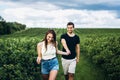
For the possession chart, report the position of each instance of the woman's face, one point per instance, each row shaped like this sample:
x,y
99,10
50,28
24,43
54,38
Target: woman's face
x,y
49,37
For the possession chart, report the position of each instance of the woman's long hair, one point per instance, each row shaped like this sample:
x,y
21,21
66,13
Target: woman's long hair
x,y
54,38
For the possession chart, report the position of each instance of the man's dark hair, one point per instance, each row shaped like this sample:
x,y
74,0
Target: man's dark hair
x,y
70,23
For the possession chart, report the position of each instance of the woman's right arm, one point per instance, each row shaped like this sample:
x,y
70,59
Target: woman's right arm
x,y
60,52
39,53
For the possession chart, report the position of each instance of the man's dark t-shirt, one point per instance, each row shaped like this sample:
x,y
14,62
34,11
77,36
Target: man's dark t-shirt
x,y
71,43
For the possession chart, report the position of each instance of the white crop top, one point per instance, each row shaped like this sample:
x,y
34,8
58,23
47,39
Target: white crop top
x,y
49,53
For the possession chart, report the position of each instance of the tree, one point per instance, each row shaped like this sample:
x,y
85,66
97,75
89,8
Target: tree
x,y
1,18
10,27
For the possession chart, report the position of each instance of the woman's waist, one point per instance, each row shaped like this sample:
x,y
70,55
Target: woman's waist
x,y
48,57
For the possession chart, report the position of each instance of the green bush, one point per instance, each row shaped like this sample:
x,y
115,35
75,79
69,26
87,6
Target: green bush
x,y
18,59
105,52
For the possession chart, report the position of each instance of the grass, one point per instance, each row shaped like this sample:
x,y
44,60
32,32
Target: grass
x,y
85,70
88,71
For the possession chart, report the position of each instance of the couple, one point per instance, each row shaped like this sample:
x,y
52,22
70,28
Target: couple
x,y
47,50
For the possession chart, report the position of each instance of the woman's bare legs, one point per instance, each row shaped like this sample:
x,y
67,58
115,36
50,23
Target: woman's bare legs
x,y
53,74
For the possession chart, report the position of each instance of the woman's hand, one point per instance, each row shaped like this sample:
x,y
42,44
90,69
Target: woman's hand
x,y
38,60
63,53
67,53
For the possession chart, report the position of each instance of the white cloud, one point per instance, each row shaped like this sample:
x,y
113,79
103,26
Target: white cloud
x,y
107,2
38,15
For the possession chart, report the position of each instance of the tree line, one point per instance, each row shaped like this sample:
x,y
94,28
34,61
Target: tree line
x,y
10,27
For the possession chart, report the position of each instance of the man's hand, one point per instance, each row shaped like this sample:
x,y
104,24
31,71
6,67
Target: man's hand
x,y
77,60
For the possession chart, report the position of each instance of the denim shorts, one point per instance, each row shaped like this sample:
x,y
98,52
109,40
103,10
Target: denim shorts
x,y
48,65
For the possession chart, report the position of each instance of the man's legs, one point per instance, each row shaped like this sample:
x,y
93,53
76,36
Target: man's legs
x,y
71,76
65,66
66,77
71,70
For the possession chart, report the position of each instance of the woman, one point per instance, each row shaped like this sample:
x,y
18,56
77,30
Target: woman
x,y
47,50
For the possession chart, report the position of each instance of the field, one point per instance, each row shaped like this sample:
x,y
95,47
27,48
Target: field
x,y
99,59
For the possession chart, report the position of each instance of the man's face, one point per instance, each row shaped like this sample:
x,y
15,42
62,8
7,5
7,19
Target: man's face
x,y
70,28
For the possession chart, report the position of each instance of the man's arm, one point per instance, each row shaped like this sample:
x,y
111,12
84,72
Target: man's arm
x,y
78,52
65,45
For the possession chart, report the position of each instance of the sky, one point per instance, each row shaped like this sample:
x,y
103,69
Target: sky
x,y
57,13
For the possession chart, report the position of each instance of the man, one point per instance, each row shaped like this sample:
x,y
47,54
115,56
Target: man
x,y
71,44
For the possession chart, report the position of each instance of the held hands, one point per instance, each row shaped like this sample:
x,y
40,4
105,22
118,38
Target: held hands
x,y
67,52
38,60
